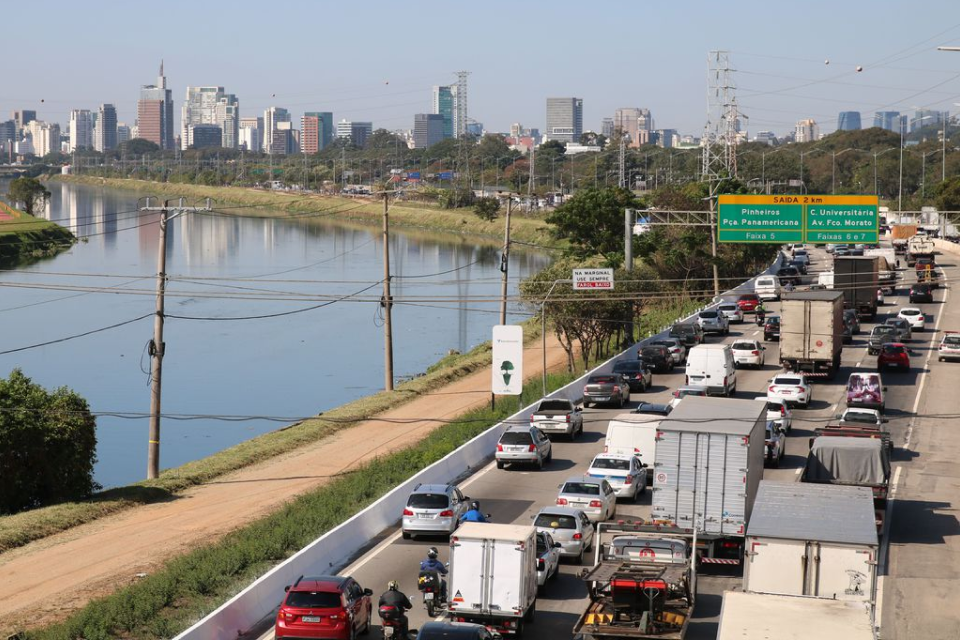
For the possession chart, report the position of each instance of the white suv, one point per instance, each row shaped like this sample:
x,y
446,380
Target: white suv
x,y
792,388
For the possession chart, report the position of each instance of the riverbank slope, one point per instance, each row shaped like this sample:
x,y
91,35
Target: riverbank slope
x,y
25,239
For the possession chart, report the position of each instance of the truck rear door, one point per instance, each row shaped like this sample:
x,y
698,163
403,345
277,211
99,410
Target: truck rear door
x,y
844,573
506,577
470,575
775,566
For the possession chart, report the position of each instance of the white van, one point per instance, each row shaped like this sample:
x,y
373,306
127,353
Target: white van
x,y
767,287
825,279
634,433
713,366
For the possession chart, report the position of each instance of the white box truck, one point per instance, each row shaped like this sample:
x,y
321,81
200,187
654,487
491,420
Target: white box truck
x,y
812,540
708,465
493,575
811,331
636,434
761,616
713,366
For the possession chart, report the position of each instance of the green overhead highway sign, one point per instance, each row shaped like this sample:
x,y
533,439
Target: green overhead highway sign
x,y
811,218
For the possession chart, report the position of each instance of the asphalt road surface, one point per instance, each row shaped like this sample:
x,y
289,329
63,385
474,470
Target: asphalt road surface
x,y
516,495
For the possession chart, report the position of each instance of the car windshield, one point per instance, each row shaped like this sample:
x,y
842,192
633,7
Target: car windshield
x,y
883,328
313,600
708,314
555,521
611,463
516,437
428,501
744,346
859,416
585,488
601,380
787,380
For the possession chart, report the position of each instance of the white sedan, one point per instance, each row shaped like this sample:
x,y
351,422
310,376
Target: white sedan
x,y
731,311
778,412
858,416
792,388
914,316
548,558
625,473
748,352
593,496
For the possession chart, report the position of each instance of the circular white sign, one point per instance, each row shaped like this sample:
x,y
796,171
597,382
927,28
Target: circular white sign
x,y
661,477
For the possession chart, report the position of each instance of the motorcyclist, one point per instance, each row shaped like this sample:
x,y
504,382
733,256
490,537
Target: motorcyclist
x,y
788,287
433,564
761,312
396,598
474,514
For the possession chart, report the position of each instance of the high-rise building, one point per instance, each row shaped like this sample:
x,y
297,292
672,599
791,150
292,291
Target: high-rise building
x,y
359,132
607,127
928,118
8,134
766,137
848,121
22,118
80,129
807,131
105,133
123,133
889,120
155,113
227,117
475,129
44,137
427,130
252,140
205,136
316,130
344,129
199,107
625,120
443,104
667,138
271,118
564,119
516,130
645,121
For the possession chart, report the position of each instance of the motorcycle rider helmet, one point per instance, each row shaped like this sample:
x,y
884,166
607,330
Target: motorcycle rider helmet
x,y
393,585
475,505
432,553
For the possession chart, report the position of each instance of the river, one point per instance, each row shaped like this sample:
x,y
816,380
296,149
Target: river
x,y
224,267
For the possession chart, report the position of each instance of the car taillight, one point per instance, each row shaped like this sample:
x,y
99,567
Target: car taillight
x,y
567,418
606,449
562,502
596,504
628,480
499,447
772,389
289,617
407,512
724,380
531,419
446,513
754,353
532,448
578,536
541,565
730,545
799,389
676,394
783,410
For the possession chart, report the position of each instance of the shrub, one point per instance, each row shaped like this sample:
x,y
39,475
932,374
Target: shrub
x,y
487,208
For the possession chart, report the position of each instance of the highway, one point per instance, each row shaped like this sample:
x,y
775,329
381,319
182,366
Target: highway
x,y
516,495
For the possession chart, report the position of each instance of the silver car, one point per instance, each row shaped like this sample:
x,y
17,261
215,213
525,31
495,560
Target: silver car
x,y
594,496
570,527
433,509
713,322
902,328
731,311
625,473
524,444
676,348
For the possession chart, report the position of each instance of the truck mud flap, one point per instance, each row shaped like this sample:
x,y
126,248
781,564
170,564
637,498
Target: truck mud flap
x,y
727,561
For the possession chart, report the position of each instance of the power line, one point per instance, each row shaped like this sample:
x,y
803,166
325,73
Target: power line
x,y
75,336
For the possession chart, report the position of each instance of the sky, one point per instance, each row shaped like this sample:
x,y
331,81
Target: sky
x,y
378,60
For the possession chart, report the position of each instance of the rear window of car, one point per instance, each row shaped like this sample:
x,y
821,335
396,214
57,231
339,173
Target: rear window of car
x,y
516,437
883,328
627,367
708,314
952,341
749,297
611,463
772,320
744,346
893,349
786,380
681,329
728,307
652,352
428,501
584,488
910,312
859,416
921,288
775,406
555,521
313,599
554,405
601,380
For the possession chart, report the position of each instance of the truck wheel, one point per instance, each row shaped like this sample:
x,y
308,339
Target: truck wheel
x,y
519,631
499,464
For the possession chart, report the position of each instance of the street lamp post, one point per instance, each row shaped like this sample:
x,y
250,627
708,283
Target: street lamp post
x,y
763,166
543,331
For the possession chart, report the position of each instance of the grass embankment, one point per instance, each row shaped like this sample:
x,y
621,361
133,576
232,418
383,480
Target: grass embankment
x,y
24,238
168,601
259,202
655,319
23,528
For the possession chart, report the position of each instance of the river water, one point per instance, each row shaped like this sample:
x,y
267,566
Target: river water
x,y
228,267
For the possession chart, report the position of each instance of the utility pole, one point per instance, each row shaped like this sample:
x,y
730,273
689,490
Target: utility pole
x,y
387,301
505,263
628,262
157,346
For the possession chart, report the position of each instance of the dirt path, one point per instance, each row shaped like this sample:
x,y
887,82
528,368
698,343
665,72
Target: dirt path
x,y
47,580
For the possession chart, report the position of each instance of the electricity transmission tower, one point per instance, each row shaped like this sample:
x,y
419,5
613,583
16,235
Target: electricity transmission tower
x,y
720,135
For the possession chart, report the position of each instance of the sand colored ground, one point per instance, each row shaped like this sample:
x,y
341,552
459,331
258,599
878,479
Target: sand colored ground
x,y
47,580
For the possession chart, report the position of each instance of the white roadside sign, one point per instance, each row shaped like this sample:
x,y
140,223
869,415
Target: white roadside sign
x,y
587,279
507,360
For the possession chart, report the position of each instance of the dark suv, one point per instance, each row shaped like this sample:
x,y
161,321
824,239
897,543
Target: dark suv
x,y
771,328
637,373
789,274
921,292
324,607
690,334
658,357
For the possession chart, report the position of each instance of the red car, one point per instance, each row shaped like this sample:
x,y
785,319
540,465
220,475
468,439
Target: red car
x,y
748,302
328,607
893,354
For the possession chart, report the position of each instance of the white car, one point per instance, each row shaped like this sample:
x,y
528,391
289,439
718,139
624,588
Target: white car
x,y
593,496
625,473
778,412
792,388
687,390
949,348
775,445
548,557
748,352
856,416
732,312
914,316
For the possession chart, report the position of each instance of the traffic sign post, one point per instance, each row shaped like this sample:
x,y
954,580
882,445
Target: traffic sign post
x,y
814,219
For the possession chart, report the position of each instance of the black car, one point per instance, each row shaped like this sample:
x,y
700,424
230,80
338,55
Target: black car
x,y
799,265
653,408
771,328
454,631
637,373
688,333
921,292
658,358
788,274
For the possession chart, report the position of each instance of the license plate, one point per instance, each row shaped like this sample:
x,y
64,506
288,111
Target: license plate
x,y
387,632
311,618
428,596
547,425
423,516
601,398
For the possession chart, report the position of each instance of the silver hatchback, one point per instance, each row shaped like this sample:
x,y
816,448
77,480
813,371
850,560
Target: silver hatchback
x,y
433,509
569,527
524,444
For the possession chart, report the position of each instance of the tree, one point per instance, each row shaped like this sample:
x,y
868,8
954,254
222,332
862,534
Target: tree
x,y
592,221
948,195
487,208
139,146
28,191
48,445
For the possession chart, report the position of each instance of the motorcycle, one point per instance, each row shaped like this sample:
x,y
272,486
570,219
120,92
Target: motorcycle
x,y
760,317
430,585
393,622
